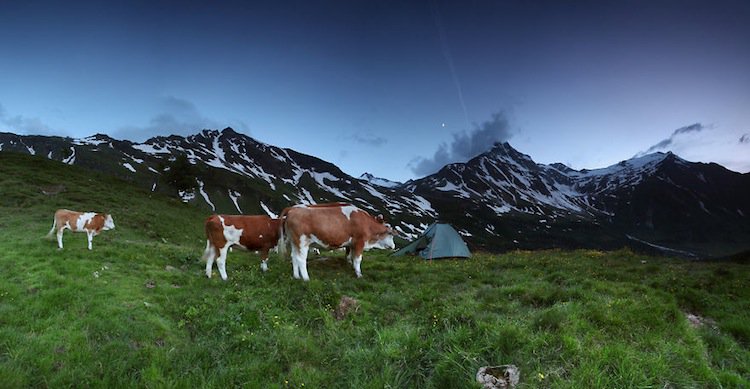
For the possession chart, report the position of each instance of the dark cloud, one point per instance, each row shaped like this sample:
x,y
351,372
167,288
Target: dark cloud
x,y
25,125
745,138
465,145
664,144
177,117
369,139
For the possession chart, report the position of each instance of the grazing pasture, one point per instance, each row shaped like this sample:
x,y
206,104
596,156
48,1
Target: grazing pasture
x,y
139,311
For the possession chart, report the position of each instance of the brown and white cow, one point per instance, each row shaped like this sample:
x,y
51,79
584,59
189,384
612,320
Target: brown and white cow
x,y
248,232
331,226
91,223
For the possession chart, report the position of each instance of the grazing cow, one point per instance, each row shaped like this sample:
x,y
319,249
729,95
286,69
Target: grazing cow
x,y
331,226
248,232
90,222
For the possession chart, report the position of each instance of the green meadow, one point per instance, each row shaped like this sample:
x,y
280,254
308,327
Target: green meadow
x,y
138,311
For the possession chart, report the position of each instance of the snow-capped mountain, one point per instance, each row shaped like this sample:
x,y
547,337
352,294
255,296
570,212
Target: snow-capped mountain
x,y
507,200
498,200
384,182
234,173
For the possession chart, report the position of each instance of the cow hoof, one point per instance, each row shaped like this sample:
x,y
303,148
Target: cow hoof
x,y
359,275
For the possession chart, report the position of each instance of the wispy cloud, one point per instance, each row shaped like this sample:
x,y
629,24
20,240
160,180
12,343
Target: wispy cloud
x,y
25,125
177,117
369,139
665,144
465,145
698,142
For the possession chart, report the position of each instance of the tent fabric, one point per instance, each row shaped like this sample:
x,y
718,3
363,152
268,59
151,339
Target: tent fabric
x,y
438,241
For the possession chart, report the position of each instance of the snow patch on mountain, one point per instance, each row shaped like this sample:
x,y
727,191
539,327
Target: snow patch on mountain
x,y
234,195
268,210
71,158
386,183
129,167
205,195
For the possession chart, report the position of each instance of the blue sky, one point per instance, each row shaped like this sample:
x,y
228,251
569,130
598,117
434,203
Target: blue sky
x,y
390,87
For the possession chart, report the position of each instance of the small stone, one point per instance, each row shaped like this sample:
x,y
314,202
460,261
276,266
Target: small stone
x,y
496,377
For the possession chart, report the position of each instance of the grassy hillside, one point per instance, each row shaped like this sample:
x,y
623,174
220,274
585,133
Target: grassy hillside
x,y
138,311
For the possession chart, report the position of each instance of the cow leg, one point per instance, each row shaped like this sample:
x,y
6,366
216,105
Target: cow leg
x,y
302,263
299,261
221,262
89,236
295,263
59,238
264,260
209,255
348,254
356,255
357,269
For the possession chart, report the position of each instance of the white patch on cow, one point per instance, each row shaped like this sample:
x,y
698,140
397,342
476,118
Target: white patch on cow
x,y
83,219
231,233
348,210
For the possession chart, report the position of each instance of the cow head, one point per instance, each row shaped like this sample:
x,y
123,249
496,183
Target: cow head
x,y
109,223
383,239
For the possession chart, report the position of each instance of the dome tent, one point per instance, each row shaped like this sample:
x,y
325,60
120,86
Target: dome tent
x,y
440,240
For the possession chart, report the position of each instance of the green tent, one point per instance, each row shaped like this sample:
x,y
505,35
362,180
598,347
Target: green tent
x,y
440,240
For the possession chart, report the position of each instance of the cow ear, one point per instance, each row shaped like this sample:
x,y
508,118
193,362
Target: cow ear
x,y
380,218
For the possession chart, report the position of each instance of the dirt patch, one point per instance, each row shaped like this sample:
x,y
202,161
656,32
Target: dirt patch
x,y
346,306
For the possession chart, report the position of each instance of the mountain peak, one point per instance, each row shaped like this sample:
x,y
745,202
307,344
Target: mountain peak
x,y
378,181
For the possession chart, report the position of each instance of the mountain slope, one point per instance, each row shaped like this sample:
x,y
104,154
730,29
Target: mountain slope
x,y
499,200
659,199
234,173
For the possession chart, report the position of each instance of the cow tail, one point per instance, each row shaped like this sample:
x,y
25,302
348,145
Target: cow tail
x,y
281,245
54,226
207,251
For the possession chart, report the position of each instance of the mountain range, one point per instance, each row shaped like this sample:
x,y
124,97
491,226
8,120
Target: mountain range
x,y
500,200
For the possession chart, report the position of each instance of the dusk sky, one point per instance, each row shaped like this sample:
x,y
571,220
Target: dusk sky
x,y
395,88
